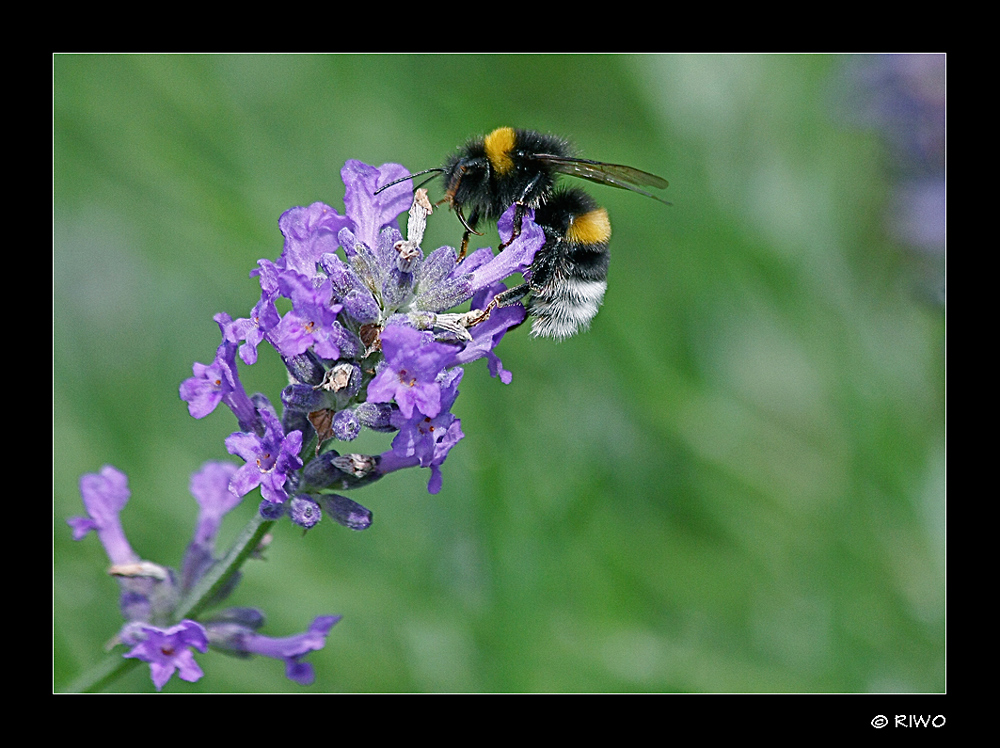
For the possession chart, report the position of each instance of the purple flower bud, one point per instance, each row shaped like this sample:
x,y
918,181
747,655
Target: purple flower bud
x,y
346,341
247,618
271,511
305,367
376,416
303,398
346,425
437,266
446,294
346,512
303,511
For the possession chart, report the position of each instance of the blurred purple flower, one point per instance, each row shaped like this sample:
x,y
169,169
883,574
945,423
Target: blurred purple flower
x,y
168,650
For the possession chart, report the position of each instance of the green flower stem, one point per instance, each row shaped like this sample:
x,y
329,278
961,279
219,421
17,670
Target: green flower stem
x,y
206,588
108,670
113,666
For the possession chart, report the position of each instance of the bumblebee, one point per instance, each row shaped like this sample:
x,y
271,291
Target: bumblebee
x,y
568,277
519,167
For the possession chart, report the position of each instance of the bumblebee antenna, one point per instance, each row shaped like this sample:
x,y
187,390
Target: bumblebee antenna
x,y
410,176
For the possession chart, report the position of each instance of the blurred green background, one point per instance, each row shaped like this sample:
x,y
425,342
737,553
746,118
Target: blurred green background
x,y
733,482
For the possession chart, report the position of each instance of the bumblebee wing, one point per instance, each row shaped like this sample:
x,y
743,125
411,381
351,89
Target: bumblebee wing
x,y
616,175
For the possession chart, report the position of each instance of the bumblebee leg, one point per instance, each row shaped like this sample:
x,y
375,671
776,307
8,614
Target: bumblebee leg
x,y
507,298
470,228
519,209
511,295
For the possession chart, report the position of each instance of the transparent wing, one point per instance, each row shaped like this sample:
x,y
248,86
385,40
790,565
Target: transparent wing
x,y
615,175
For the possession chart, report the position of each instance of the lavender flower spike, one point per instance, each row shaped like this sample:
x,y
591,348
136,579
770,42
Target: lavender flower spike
x,y
372,339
